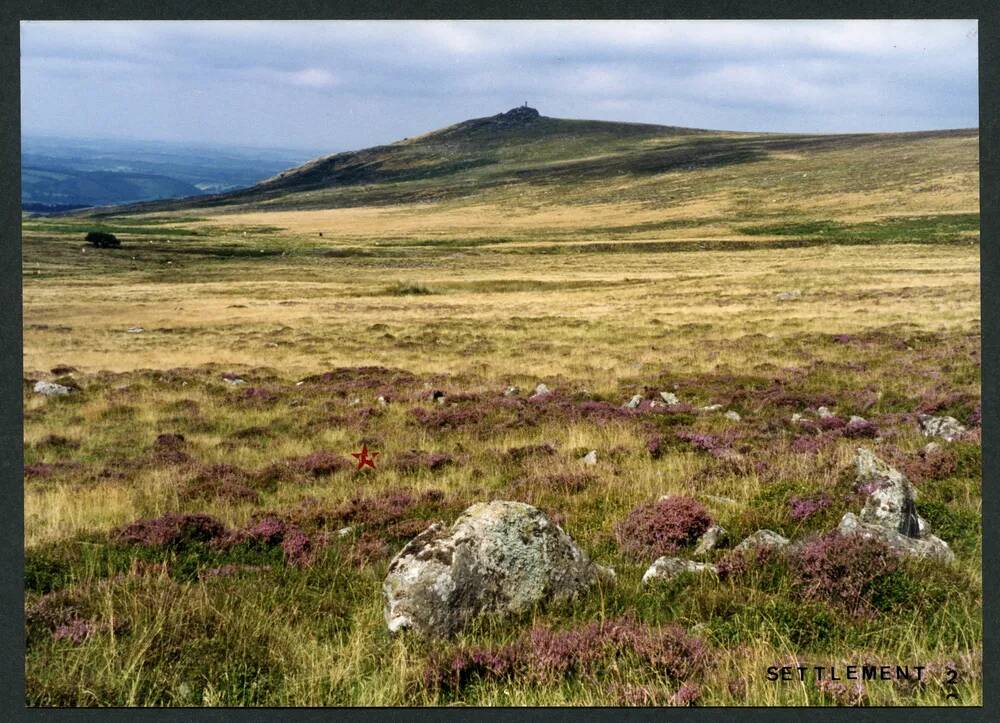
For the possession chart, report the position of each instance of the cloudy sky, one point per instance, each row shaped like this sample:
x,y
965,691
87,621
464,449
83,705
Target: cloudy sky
x,y
337,85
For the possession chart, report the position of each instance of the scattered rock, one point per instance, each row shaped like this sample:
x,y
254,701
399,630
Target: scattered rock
x,y
134,330
763,538
497,558
931,448
732,416
855,419
513,391
590,458
713,536
355,402
233,381
634,402
823,413
51,389
711,408
667,568
789,295
540,391
345,531
930,546
948,428
891,502
796,418
382,401
669,398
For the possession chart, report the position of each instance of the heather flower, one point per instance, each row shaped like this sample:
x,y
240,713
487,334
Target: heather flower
x,y
842,570
803,507
738,688
858,427
714,445
664,526
296,547
686,695
76,631
840,694
655,444
171,530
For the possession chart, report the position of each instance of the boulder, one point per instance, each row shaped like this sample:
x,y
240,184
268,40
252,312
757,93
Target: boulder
x,y
667,568
540,391
925,546
51,389
498,558
892,500
713,536
947,428
669,398
763,538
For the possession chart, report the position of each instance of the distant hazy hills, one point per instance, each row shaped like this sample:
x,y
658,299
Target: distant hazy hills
x,y
65,173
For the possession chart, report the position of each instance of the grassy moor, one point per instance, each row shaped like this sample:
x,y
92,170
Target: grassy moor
x,y
721,321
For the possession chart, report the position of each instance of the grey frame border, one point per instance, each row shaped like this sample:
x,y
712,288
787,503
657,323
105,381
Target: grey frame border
x,y
11,431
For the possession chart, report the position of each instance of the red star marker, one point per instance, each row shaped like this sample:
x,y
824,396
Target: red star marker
x,y
363,459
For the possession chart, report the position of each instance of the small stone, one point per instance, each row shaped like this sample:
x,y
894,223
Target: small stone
x,y
512,391
855,419
51,389
540,391
789,295
634,402
796,418
732,416
711,408
667,568
669,398
345,531
235,381
763,538
590,458
931,448
947,428
134,330
382,401
823,413
713,536
355,402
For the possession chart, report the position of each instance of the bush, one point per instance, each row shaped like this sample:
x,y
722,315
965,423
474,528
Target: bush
x,y
663,527
103,240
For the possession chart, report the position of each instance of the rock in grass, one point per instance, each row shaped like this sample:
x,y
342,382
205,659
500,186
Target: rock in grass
x,y
498,558
51,389
669,398
789,295
713,536
732,416
512,391
947,428
891,502
590,458
711,408
927,546
634,402
540,391
135,330
235,381
823,413
763,538
667,568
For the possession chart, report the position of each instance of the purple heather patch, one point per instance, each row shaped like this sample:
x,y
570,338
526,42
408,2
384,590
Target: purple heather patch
x,y
662,527
804,507
171,530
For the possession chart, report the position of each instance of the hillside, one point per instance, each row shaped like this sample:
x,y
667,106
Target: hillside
x,y
515,164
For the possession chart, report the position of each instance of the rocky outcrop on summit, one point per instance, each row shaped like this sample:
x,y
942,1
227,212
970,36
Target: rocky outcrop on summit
x,y
498,558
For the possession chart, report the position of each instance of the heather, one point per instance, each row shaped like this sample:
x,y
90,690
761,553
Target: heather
x,y
191,541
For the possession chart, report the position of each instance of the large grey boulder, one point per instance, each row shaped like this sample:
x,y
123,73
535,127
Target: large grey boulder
x,y
667,568
947,428
497,558
928,546
892,500
890,512
51,389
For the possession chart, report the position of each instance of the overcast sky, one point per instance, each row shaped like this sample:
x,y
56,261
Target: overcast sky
x,y
338,85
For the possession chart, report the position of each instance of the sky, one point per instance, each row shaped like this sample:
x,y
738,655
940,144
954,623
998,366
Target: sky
x,y
341,85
